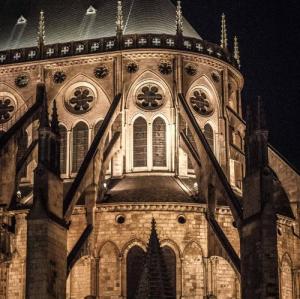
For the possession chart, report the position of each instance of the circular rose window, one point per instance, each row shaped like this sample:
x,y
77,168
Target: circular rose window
x,y
150,97
7,108
81,100
201,102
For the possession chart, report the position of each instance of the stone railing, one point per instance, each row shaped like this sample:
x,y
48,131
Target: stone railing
x,y
108,44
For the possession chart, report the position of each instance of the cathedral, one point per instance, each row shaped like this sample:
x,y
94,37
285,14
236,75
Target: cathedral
x,y
127,169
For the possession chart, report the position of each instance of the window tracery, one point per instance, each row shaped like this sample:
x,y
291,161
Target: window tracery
x,y
7,107
150,97
201,102
81,100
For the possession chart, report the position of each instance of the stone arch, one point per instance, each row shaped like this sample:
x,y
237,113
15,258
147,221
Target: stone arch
x,y
80,279
222,281
130,244
148,76
113,245
170,243
134,266
172,268
109,271
193,280
286,277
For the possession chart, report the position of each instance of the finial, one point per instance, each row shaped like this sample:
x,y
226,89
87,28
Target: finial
x,y
41,30
119,22
224,40
179,19
237,51
54,119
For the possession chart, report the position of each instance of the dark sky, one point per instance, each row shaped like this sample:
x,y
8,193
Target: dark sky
x,y
269,32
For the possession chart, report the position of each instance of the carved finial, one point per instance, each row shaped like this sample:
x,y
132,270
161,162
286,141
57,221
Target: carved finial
x,y
224,40
179,19
54,119
237,51
41,30
119,22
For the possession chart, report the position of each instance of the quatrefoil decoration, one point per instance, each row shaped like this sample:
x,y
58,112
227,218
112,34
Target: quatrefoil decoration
x,y
132,67
165,68
6,109
101,72
150,98
82,100
200,103
22,81
59,77
191,70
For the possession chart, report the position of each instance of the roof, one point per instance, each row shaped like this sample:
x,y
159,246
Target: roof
x,y
67,20
147,189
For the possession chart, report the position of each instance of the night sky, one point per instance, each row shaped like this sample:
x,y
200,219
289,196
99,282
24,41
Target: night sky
x,y
269,33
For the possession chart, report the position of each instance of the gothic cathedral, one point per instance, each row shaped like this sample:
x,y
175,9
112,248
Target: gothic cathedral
x,y
126,167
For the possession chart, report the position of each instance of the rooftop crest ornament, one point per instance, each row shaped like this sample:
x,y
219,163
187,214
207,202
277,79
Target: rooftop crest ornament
x,y
120,21
224,39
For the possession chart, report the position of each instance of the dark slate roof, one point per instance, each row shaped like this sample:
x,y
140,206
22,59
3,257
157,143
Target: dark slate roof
x,y
147,189
66,20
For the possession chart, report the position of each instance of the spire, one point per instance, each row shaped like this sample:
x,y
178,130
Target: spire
x,y
54,119
154,282
119,22
179,20
41,30
236,53
44,117
224,40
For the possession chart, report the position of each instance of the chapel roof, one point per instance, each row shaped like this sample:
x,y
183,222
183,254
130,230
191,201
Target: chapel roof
x,y
68,20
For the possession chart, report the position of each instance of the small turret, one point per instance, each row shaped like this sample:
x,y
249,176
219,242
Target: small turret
x,y
41,31
224,39
119,22
236,52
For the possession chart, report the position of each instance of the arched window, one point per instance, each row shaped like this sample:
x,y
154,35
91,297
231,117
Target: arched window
x,y
97,126
63,149
159,143
209,135
135,265
170,260
80,145
22,147
140,143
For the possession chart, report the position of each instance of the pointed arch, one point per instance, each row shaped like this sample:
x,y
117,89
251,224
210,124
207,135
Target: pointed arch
x,y
159,142
140,128
209,135
79,145
170,262
146,77
286,277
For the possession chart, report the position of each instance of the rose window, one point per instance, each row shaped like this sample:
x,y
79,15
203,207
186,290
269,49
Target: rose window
x,y
81,100
6,109
150,97
201,103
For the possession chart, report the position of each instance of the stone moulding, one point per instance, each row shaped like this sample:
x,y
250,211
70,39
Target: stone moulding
x,y
109,44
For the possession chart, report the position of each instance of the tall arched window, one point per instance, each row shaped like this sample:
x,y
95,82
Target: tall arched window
x,y
80,145
97,126
22,147
170,260
159,143
209,135
140,143
135,265
63,149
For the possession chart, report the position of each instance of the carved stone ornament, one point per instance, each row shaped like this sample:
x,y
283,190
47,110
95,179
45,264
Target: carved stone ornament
x,y
22,81
101,72
216,77
132,67
7,108
165,68
150,97
201,103
81,100
59,77
191,70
